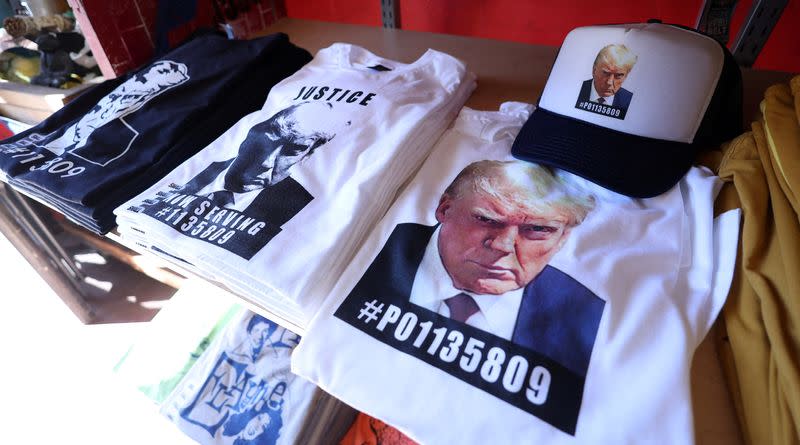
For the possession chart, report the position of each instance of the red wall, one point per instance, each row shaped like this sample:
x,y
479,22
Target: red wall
x,y
358,12
122,36
782,51
547,22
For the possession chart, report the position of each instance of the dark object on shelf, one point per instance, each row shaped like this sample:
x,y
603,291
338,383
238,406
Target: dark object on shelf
x,y
19,65
230,9
715,19
57,67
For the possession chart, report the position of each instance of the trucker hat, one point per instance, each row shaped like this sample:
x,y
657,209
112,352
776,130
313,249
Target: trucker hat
x,y
629,106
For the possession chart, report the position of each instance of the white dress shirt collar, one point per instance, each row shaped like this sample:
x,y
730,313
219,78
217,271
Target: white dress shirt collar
x,y
593,96
433,285
240,200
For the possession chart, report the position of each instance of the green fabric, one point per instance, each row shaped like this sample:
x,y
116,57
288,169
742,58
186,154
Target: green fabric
x,y
175,339
158,392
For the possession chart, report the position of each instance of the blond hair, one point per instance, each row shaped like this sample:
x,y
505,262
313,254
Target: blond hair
x,y
534,187
616,54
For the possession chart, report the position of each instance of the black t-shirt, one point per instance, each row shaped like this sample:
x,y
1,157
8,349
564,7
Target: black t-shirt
x,y
120,136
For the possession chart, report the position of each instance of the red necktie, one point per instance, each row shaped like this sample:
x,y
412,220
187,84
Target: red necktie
x,y
462,306
601,100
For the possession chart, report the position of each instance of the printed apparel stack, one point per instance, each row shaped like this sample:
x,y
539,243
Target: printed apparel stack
x,y
240,391
118,138
276,207
587,339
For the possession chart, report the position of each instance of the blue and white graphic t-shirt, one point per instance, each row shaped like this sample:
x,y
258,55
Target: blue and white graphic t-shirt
x,y
241,391
119,137
500,299
276,206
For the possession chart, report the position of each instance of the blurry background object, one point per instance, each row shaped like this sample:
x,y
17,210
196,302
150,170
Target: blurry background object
x,y
22,26
47,7
8,41
124,34
19,65
715,19
10,127
5,9
55,40
58,70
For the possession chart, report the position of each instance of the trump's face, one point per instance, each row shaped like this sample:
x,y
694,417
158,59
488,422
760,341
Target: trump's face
x,y
608,78
129,96
489,246
266,157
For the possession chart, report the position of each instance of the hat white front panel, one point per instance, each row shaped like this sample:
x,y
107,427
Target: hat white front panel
x,y
664,95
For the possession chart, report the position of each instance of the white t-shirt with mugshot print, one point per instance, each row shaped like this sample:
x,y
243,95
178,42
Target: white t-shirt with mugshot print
x,y
604,335
350,128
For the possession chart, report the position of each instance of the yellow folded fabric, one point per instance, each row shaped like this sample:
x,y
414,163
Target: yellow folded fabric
x,y
761,353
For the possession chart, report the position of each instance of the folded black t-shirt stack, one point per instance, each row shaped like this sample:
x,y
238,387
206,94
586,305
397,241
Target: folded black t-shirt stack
x,y
121,136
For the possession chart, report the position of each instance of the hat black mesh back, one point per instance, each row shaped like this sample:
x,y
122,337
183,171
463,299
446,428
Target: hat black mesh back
x,y
723,118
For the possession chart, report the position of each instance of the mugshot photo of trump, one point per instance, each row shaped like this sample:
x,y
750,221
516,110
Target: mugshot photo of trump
x,y
611,67
485,264
108,114
257,179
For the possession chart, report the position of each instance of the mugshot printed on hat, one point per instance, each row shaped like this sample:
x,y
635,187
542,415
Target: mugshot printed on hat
x,y
603,93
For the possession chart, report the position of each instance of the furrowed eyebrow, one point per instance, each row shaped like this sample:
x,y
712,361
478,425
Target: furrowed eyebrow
x,y
486,213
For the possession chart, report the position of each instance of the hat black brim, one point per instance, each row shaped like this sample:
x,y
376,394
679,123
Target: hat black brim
x,y
634,166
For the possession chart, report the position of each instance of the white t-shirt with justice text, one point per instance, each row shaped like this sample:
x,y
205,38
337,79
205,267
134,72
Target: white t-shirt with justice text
x,y
277,205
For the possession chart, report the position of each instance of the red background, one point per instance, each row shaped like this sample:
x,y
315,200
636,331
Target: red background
x,y
547,23
124,29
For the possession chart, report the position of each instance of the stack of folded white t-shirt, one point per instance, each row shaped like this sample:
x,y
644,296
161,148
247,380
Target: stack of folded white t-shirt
x,y
525,302
276,206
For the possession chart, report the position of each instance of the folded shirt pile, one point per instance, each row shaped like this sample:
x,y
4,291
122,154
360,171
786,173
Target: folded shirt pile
x,y
524,301
121,136
276,206
240,390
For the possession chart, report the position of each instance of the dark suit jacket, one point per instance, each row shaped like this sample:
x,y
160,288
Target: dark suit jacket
x,y
621,100
277,203
104,145
558,316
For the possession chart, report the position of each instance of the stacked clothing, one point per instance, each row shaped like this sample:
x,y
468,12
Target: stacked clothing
x,y
525,301
276,206
240,390
118,138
